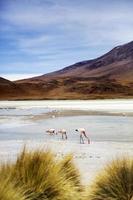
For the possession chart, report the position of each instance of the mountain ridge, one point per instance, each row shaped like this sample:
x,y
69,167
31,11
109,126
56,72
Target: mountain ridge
x,y
108,76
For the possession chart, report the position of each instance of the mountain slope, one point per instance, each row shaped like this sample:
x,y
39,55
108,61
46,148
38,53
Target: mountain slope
x,y
10,90
109,76
113,64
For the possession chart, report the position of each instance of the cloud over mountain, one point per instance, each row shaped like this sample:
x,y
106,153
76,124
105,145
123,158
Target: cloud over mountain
x,y
58,33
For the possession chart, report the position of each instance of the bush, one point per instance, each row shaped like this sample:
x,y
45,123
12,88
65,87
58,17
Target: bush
x,y
68,168
115,182
8,190
39,176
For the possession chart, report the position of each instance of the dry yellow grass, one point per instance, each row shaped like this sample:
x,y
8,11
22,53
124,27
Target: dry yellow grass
x,y
39,176
115,182
8,189
68,168
9,192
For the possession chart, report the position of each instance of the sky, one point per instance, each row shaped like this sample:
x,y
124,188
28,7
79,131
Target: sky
x,y
41,36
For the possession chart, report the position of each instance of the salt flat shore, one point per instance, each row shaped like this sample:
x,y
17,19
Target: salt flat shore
x,y
110,106
90,159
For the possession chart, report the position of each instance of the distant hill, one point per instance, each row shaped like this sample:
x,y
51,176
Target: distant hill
x,y
9,89
109,76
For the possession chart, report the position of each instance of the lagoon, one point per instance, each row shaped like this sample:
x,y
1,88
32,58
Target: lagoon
x,y
109,124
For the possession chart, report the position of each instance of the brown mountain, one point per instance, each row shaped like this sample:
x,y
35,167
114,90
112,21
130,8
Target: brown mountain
x,y
109,76
9,89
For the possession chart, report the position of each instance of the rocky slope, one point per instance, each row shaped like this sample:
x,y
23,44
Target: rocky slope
x,y
109,76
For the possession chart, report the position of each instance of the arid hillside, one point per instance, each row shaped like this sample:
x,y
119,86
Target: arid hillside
x,y
109,76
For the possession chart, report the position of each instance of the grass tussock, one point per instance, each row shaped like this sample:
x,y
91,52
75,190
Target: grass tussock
x,y
36,176
39,175
9,192
115,182
71,173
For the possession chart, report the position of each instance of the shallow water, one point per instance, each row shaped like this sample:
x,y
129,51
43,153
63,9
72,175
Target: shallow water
x,y
99,128
111,135
17,122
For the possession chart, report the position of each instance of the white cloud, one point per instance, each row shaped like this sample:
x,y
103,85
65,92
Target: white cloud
x,y
33,16
26,42
54,32
29,67
91,25
14,77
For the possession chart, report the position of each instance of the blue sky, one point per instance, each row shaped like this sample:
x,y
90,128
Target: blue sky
x,y
40,36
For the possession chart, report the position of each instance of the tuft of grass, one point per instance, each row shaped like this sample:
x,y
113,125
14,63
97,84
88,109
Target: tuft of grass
x,y
71,173
8,190
39,176
115,182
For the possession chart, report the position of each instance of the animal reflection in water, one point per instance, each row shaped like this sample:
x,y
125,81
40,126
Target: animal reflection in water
x,y
63,132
